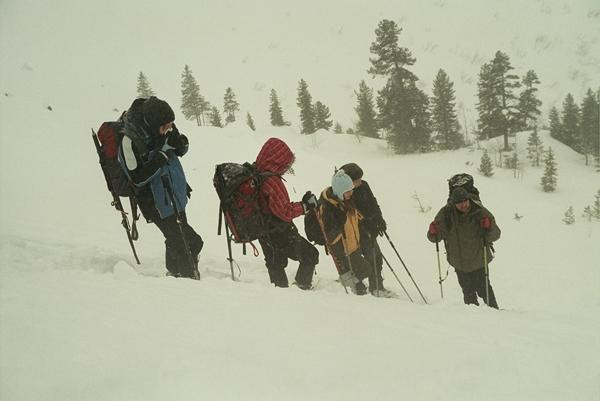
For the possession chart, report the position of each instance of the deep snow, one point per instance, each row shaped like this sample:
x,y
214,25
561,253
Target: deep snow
x,y
78,322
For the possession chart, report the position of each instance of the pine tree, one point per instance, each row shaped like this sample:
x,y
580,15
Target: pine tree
x,y
569,216
250,122
444,120
588,214
322,116
230,106
215,117
529,104
534,147
555,125
570,123
550,172
596,205
365,109
486,168
304,102
193,104
275,110
589,130
403,108
488,105
337,128
143,86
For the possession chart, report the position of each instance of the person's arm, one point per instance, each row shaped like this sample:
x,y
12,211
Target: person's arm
x,y
491,231
140,173
278,201
438,228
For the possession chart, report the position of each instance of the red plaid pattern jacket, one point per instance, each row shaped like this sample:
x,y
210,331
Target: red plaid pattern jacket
x,y
276,157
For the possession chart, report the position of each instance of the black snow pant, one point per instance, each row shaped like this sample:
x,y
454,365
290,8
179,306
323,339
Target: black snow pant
x,y
176,259
372,253
280,246
473,285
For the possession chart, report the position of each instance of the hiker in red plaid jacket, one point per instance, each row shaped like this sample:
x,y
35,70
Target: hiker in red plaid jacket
x,y
282,240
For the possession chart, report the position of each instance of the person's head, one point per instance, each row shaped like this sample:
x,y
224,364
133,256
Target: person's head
x,y
342,185
355,173
459,197
158,115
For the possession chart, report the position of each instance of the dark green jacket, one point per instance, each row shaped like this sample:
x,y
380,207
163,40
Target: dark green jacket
x,y
464,236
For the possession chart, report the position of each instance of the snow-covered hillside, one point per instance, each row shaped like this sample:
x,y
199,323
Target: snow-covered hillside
x,y
80,321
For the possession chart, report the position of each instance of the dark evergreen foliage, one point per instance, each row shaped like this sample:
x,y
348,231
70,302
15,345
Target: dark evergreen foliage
x,y
143,86
230,106
215,117
570,122
529,104
193,104
275,111
555,124
304,102
365,109
549,179
322,116
486,167
443,113
589,131
534,148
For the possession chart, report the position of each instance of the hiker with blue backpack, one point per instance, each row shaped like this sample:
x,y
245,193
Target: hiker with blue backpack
x,y
149,153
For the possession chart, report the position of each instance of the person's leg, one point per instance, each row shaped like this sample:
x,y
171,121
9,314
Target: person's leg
x,y
170,230
307,254
468,287
480,284
276,261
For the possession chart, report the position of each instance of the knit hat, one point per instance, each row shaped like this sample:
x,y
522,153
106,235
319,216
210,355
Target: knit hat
x,y
353,170
341,183
458,195
157,112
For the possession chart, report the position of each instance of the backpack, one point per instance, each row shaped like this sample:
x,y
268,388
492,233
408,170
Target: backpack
x,y
463,180
237,186
312,228
110,134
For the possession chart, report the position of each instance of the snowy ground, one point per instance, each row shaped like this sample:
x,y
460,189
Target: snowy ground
x,y
79,323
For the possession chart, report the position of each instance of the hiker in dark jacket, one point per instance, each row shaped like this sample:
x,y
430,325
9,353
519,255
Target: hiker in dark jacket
x,y
465,226
371,226
341,221
282,240
150,151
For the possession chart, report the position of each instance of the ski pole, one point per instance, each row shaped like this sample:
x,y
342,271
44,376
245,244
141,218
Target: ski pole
x,y
230,258
437,250
403,264
116,202
487,275
395,275
375,272
338,265
179,219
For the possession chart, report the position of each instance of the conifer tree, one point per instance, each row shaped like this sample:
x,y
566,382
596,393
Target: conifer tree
x,y
215,117
570,123
322,116
275,110
365,109
497,100
337,128
143,86
596,205
529,104
193,104
534,147
230,106
569,216
304,102
588,214
486,168
250,122
403,108
550,172
443,114
555,125
589,130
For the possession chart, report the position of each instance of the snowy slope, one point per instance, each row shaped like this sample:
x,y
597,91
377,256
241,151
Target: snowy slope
x,y
78,322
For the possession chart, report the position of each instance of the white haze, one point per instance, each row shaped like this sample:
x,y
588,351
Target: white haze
x,y
78,322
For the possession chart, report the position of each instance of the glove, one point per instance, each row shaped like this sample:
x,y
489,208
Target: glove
x,y
348,279
485,223
434,228
380,225
309,202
